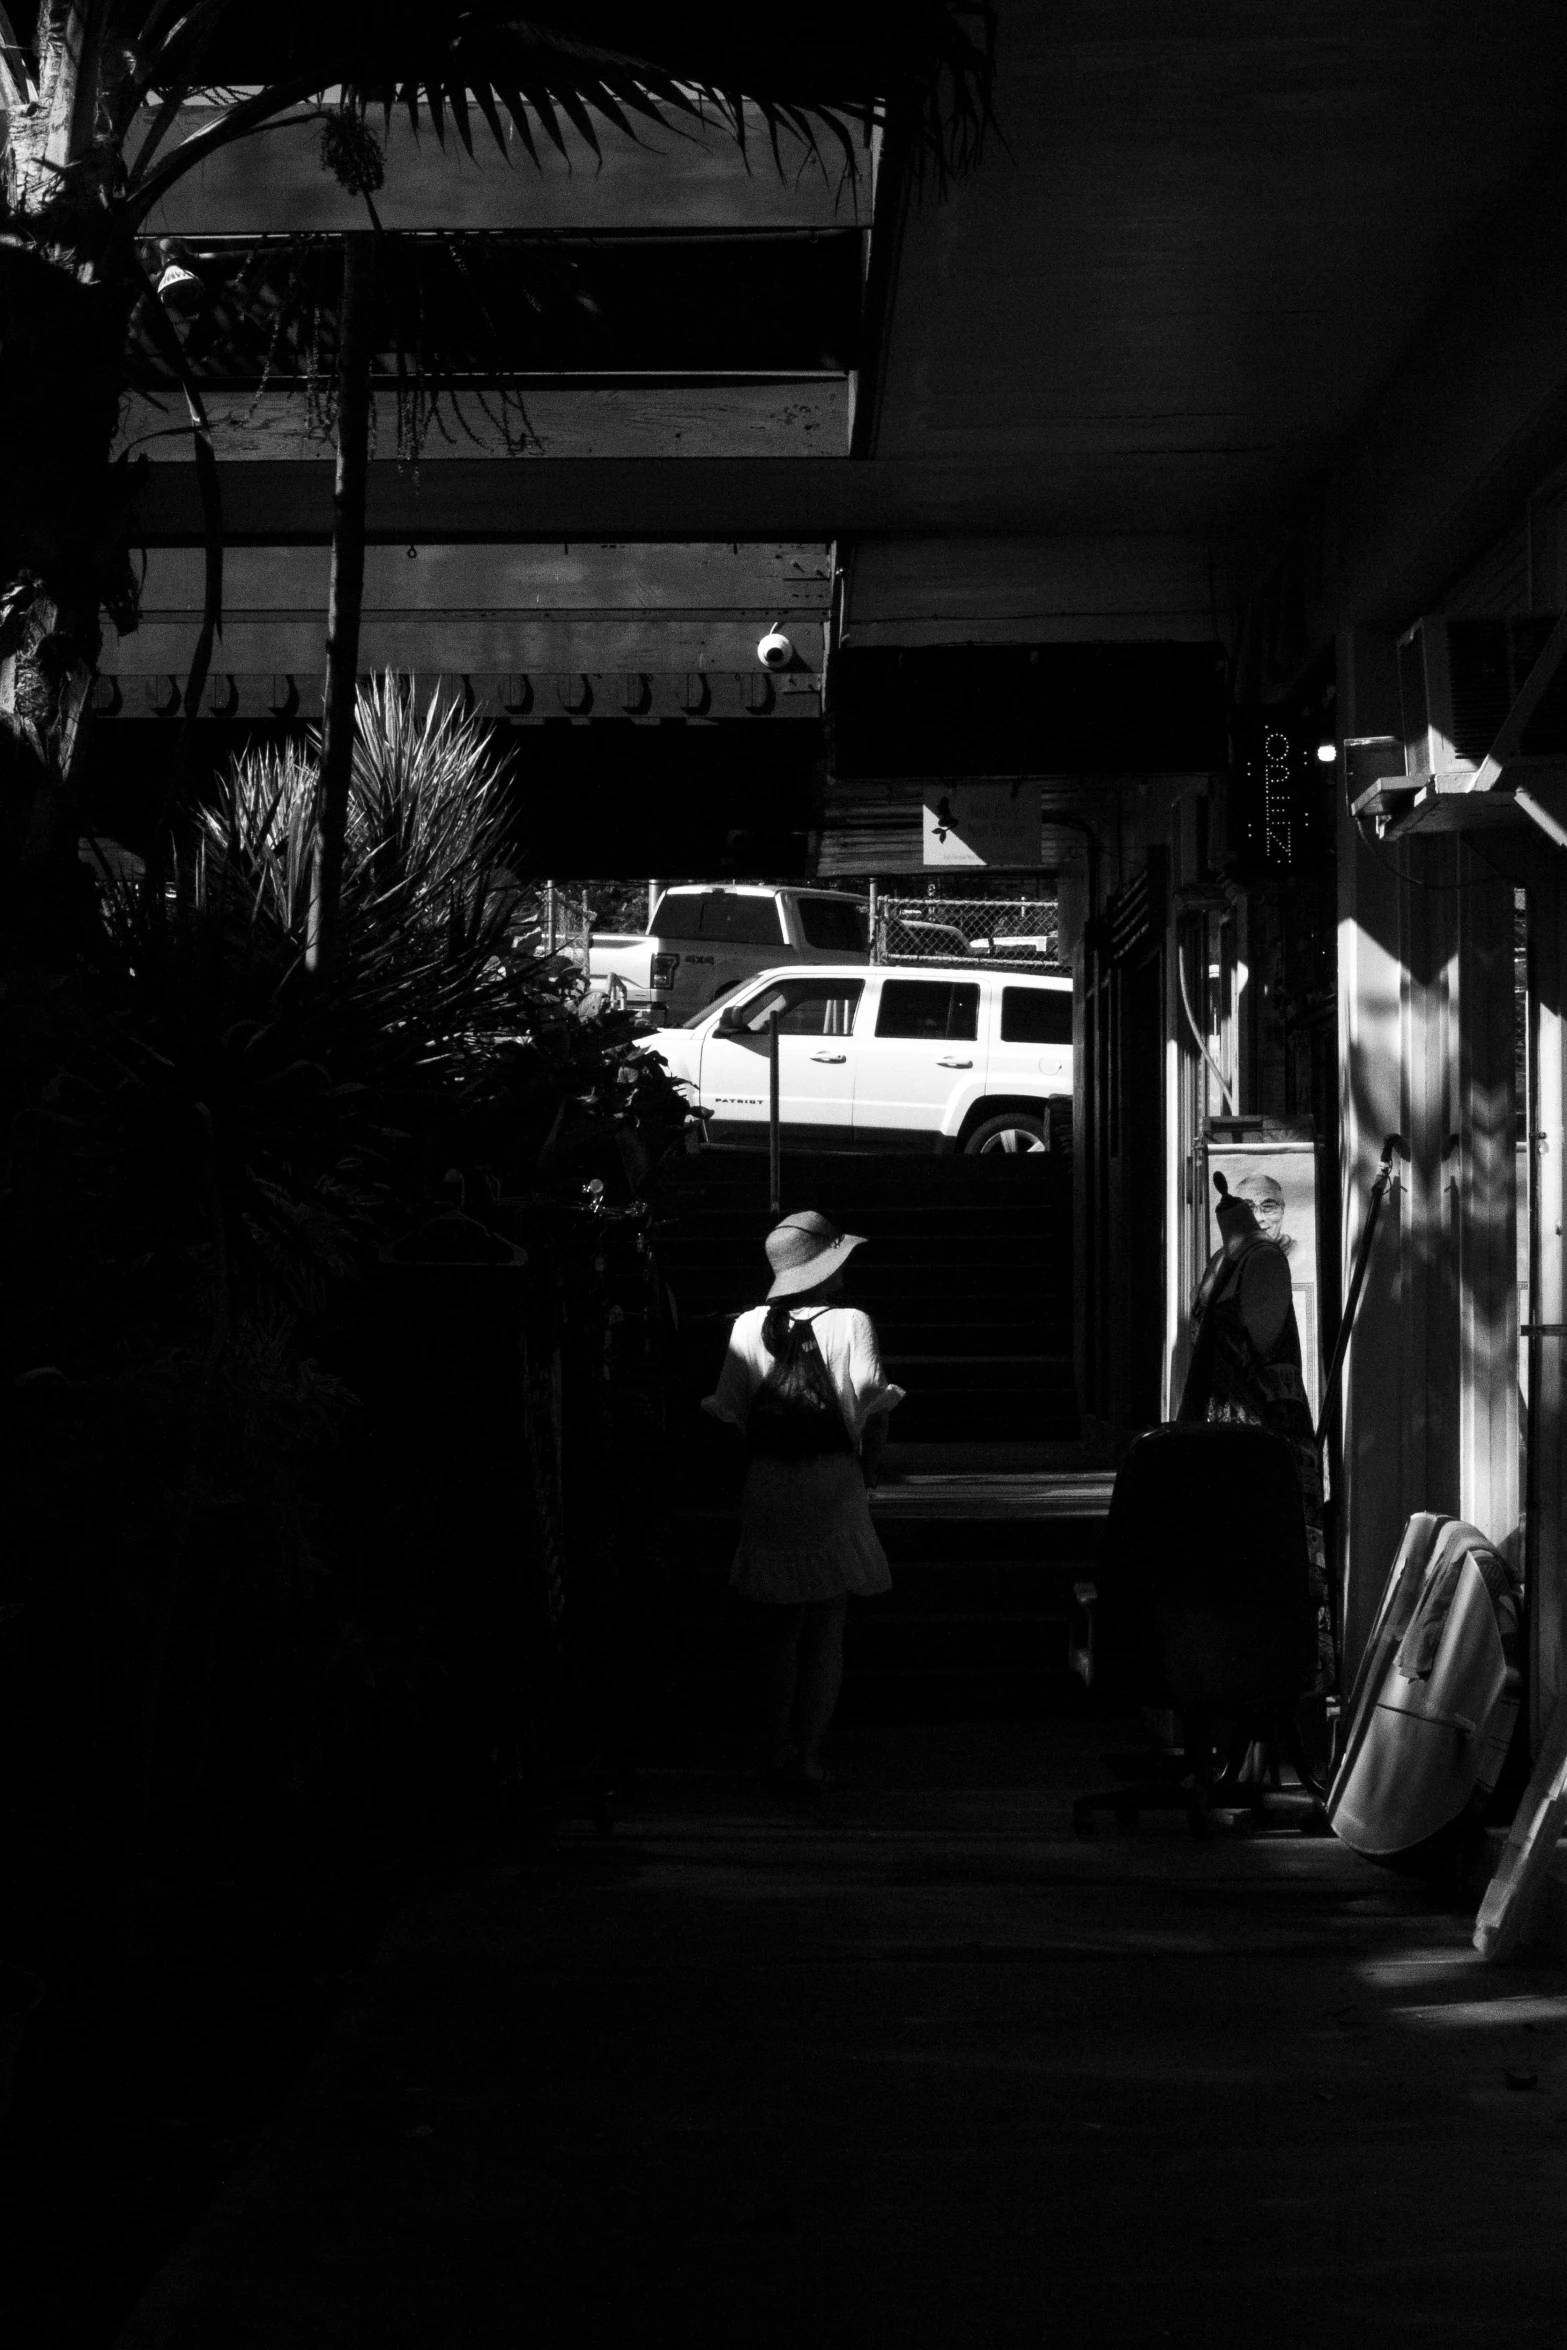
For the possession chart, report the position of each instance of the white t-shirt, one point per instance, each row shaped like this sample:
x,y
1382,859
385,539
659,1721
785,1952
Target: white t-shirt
x,y
847,1339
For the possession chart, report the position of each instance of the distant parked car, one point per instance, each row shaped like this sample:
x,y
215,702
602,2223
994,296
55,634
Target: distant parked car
x,y
913,935
941,1059
705,936
1017,945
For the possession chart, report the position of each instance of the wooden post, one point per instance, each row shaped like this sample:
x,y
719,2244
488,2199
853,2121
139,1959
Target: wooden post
x,y
1483,1182
774,1131
1547,1455
871,919
345,597
1383,1468
655,890
549,917
1426,1012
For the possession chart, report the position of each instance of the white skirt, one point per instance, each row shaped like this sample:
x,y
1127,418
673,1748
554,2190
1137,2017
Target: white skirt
x,y
806,1532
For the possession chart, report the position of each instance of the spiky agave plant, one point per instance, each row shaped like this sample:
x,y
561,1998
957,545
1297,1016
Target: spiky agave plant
x,y
424,896
427,825
307,1104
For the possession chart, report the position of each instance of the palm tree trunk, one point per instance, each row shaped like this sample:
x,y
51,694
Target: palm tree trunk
x,y
345,596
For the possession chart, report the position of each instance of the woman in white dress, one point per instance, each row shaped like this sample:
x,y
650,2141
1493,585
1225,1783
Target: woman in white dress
x,y
803,1383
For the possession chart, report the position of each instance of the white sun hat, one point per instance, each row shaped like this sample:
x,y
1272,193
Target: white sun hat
x,y
804,1250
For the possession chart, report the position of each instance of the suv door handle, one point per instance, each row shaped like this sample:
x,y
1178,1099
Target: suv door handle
x,y
951,1061
829,1056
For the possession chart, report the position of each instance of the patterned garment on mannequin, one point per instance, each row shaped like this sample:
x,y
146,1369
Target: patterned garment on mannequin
x,y
1232,1378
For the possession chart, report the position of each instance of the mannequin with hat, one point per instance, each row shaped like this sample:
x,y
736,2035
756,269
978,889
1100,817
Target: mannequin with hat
x,y
803,1384
1246,1366
1248,1280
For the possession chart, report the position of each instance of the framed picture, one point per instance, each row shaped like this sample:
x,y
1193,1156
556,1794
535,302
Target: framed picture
x,y
1278,1181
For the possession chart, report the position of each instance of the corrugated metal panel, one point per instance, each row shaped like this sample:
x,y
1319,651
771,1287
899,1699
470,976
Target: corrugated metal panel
x,y
871,828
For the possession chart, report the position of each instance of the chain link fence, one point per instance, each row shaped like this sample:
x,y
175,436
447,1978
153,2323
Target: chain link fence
x,y
1020,933
558,917
1016,933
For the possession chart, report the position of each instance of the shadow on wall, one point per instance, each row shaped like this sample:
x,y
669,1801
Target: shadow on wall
x,y
1431,1400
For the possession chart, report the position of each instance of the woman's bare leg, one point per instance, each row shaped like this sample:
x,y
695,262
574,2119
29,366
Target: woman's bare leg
x,y
781,1640
820,1676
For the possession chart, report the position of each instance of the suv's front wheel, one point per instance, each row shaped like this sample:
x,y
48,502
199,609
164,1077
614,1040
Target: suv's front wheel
x,y
1009,1130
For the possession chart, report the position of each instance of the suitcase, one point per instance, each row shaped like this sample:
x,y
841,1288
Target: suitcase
x,y
1204,1593
1434,1705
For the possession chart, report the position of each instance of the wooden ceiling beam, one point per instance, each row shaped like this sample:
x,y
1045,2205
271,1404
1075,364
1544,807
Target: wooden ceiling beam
x,y
683,179
461,501
454,641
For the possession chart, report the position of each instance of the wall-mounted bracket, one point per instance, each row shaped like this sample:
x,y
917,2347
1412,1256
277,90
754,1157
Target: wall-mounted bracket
x,y
1509,786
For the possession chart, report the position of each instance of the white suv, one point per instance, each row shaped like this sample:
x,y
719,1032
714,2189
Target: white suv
x,y
884,1057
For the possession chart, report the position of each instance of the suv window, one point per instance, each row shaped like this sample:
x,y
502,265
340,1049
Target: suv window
x,y
741,922
1036,1015
806,1007
835,926
945,1010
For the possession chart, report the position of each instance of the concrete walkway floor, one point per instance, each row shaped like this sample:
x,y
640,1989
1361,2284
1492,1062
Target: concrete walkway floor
x,y
921,2070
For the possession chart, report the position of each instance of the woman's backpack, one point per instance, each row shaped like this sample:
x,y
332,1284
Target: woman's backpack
x,y
795,1413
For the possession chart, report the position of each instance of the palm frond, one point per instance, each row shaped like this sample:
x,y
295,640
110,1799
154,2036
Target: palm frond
x,y
593,62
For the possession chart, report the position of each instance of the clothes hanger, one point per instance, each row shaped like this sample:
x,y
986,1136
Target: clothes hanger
x,y
453,1237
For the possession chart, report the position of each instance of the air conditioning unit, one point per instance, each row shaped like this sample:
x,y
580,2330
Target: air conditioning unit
x,y
1459,678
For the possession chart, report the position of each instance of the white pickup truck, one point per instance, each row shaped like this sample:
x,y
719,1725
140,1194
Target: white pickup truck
x,y
704,938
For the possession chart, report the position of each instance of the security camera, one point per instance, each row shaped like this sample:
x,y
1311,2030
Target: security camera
x,y
774,650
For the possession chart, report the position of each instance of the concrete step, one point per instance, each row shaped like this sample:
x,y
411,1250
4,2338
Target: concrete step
x,y
724,1164
984,1641
740,1268
1039,1248
987,1460
975,1540
1030,1401
1016,1412
899,1199
1035,1691
1077,1498
1040,1369
1010,1318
